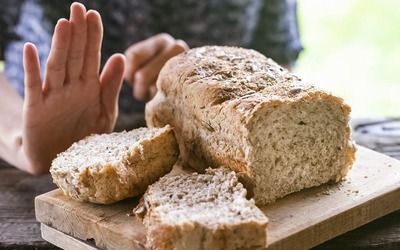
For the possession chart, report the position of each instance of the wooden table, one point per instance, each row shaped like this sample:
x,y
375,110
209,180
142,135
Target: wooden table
x,y
20,230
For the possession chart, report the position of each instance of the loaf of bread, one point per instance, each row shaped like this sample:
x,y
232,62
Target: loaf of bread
x,y
201,211
235,107
110,167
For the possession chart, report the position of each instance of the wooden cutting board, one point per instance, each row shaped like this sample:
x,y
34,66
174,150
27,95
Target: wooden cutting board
x,y
298,221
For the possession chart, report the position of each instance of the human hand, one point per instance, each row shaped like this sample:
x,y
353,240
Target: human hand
x,y
145,60
74,100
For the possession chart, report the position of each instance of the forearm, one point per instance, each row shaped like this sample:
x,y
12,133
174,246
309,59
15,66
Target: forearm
x,y
11,104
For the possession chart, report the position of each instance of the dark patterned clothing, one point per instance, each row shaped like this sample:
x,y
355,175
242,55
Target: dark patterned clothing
x,y
269,26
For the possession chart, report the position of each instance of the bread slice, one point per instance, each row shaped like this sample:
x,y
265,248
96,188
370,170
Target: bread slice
x,y
110,167
201,211
235,107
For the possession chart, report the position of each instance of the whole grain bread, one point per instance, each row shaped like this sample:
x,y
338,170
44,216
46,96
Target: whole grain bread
x,y
235,107
110,167
201,211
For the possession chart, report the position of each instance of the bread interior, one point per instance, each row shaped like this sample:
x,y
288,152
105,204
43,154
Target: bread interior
x,y
296,146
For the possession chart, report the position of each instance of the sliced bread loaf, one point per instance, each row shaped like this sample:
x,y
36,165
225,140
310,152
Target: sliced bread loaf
x,y
235,107
110,167
201,211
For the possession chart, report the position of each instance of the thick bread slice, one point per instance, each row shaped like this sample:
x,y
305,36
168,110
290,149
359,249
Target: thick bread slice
x,y
110,167
201,211
235,107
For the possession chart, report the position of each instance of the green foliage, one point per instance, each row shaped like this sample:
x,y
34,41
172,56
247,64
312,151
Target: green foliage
x,y
352,48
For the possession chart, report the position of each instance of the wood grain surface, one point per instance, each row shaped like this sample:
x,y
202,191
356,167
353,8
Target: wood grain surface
x,y
18,226
299,221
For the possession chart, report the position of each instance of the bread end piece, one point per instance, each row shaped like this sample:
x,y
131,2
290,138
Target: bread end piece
x,y
107,168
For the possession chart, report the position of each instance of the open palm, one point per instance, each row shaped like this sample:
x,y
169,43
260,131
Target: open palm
x,y
74,100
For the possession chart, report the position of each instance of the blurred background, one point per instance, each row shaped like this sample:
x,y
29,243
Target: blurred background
x,y
352,48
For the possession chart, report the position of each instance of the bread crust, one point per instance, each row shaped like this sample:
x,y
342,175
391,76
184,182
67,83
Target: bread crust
x,y
222,101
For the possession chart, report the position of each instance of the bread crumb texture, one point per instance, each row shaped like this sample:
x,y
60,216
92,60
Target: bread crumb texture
x,y
105,168
202,211
235,107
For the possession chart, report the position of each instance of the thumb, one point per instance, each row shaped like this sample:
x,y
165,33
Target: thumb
x,y
111,82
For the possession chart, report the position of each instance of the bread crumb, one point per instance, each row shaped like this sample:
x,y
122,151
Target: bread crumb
x,y
326,192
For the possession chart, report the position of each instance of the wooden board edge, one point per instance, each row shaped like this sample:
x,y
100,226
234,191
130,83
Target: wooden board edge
x,y
47,206
63,240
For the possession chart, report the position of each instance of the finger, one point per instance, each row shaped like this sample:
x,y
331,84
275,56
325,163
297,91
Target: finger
x,y
182,44
141,52
147,75
111,81
152,91
56,63
91,64
78,41
33,83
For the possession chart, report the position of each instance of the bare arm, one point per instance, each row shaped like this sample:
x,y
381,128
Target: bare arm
x,y
11,125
